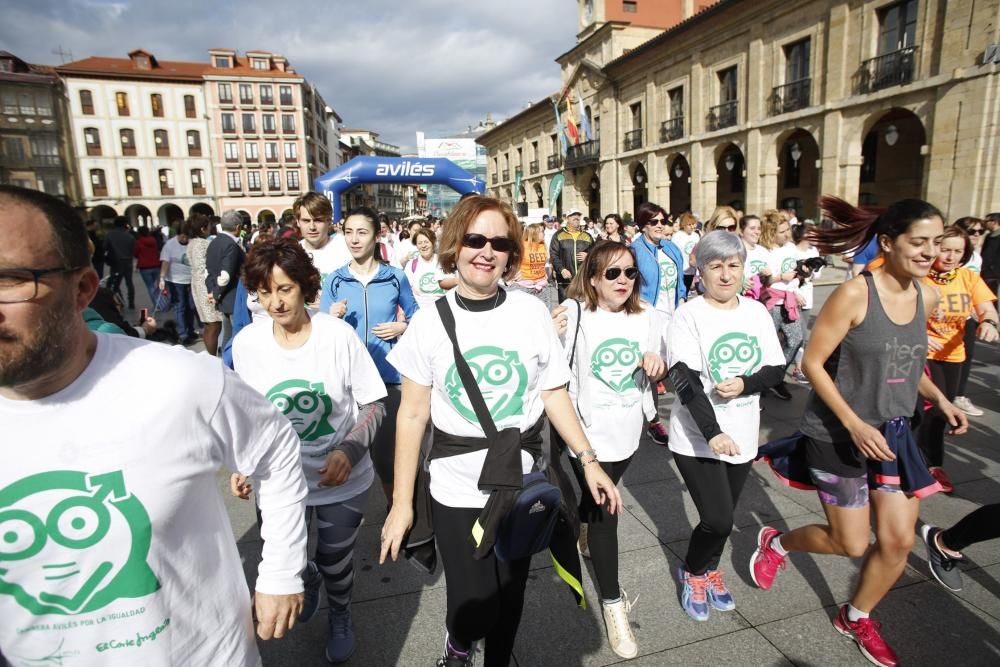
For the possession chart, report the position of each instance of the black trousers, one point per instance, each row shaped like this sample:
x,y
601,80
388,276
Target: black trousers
x,y
119,271
485,597
977,526
602,528
930,434
970,350
715,487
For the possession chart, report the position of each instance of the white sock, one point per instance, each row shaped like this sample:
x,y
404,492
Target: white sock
x,y
608,603
854,614
776,545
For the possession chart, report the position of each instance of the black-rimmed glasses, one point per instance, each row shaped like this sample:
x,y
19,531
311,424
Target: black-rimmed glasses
x,y
19,285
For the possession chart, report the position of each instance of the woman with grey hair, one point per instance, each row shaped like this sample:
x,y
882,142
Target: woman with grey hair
x,y
722,352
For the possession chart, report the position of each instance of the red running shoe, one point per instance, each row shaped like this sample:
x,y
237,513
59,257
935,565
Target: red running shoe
x,y
942,478
865,632
765,561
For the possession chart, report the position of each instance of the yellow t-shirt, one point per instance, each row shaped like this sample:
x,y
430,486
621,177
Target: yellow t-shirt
x,y
946,325
533,265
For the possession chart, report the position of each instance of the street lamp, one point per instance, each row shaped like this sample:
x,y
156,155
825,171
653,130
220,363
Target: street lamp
x,y
730,162
639,177
891,135
678,170
796,153
594,183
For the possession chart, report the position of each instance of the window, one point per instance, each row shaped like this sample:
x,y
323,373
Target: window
x,y
225,93
189,109
197,181
128,141
249,124
291,152
258,63
727,85
233,181
246,93
97,183
9,103
253,181
156,102
274,180
161,142
92,139
166,178
121,99
270,127
286,95
194,143
132,183
630,6
45,150
635,111
897,26
43,104
250,151
221,62
87,102
266,94
797,61
27,103
13,148
288,123
232,151
675,102
293,180
229,123
271,151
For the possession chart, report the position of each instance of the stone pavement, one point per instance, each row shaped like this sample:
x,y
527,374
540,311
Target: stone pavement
x,y
399,613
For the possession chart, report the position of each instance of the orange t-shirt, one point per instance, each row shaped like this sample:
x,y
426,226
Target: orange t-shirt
x,y
946,325
535,258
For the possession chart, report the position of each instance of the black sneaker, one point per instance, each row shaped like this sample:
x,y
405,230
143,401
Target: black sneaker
x,y
781,391
312,582
657,433
944,569
423,557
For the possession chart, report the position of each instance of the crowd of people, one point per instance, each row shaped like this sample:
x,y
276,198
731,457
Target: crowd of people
x,y
434,357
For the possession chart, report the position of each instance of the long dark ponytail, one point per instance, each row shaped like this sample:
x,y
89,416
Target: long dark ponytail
x,y
854,227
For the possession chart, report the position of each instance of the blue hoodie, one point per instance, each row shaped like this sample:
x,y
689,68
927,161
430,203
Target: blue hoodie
x,y
370,305
649,267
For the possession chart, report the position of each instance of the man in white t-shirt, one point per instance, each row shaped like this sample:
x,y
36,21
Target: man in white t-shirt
x,y
314,215
115,545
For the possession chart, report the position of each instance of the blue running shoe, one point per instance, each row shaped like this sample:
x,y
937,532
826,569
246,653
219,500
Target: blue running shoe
x,y
718,595
693,597
312,580
340,642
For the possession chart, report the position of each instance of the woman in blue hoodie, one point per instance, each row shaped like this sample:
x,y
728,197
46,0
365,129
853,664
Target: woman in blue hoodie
x,y
368,294
661,271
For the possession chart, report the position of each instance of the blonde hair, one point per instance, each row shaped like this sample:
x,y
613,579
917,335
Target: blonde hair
x,y
534,233
769,223
719,214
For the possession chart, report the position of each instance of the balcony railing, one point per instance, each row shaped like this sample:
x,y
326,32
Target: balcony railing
x,y
723,115
45,161
505,175
100,190
197,190
790,97
633,140
553,161
588,152
887,70
533,167
672,129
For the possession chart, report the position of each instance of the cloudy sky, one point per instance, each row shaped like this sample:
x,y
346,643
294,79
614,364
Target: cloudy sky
x,y
393,66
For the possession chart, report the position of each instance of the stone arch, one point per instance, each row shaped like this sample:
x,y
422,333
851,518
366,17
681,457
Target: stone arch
x,y
169,214
892,163
730,166
201,208
798,177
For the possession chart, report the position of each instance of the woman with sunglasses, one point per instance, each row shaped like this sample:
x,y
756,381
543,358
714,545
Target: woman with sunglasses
x,y
661,266
615,343
368,293
722,352
976,229
508,340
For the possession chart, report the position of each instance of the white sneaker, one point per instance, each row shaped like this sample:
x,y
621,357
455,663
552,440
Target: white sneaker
x,y
619,631
966,406
581,544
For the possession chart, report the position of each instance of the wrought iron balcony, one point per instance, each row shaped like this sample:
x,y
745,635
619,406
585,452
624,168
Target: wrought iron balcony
x,y
887,70
723,115
671,130
790,97
553,161
533,167
505,175
584,153
633,140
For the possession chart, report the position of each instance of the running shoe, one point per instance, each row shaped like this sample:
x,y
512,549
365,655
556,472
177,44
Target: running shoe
x,y
619,631
582,545
312,581
966,406
944,568
340,642
781,391
799,376
658,433
453,658
865,632
765,562
942,478
718,595
694,594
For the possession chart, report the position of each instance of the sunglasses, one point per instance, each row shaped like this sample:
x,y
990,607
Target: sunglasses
x,y
730,228
478,241
658,221
976,232
615,271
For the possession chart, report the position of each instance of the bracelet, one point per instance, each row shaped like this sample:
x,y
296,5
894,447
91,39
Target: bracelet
x,y
593,460
991,322
586,452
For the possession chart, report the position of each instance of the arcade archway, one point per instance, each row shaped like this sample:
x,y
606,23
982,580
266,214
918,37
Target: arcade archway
x,y
892,167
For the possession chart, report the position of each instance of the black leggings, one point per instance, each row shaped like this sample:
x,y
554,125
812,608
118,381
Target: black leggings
x,y
977,526
930,434
485,597
383,449
602,530
715,487
970,350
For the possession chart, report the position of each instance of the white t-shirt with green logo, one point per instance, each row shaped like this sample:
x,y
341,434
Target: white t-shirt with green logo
x,y
719,345
758,257
318,388
424,277
330,257
686,242
667,288
115,544
514,353
783,260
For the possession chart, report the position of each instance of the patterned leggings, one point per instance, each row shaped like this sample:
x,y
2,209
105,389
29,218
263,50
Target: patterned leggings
x,y
337,532
791,331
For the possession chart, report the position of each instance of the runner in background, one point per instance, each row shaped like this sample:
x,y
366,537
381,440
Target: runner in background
x,y
976,229
533,276
423,272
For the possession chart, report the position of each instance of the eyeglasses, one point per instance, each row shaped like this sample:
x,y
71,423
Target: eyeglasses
x,y
615,271
658,221
19,285
478,241
729,228
977,232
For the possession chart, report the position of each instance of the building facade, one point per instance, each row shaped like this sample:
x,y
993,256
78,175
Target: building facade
x,y
388,198
869,100
462,149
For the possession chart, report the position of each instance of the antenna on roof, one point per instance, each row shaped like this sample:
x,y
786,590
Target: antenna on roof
x,y
62,54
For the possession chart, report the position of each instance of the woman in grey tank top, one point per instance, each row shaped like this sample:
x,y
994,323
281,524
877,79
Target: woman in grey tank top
x,y
865,361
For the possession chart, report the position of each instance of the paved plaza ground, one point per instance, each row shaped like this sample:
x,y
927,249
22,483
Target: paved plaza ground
x,y
399,613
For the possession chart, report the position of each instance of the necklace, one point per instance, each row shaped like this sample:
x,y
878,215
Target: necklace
x,y
463,306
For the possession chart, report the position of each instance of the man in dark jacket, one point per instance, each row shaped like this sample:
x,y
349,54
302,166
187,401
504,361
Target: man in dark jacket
x,y
991,251
567,250
118,244
223,262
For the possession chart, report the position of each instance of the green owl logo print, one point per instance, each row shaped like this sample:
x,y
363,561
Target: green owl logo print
x,y
689,246
668,276
501,378
613,362
72,542
756,265
788,264
733,355
306,406
429,284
